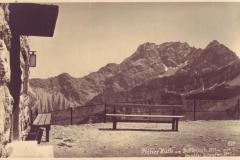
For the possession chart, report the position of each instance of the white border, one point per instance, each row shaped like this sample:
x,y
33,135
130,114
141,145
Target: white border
x,y
71,1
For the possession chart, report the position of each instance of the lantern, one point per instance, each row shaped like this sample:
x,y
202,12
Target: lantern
x,y
32,59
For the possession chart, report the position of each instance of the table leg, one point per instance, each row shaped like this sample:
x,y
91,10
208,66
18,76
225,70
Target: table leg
x,y
47,133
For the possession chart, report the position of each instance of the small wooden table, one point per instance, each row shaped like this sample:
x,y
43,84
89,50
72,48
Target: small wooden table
x,y
44,121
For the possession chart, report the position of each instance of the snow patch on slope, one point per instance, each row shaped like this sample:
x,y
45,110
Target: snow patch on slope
x,y
165,67
169,71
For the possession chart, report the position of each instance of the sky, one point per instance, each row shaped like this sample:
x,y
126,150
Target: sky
x,y
90,35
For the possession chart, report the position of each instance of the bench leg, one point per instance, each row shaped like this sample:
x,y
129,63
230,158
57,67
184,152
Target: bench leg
x,y
114,123
47,133
39,135
176,129
173,124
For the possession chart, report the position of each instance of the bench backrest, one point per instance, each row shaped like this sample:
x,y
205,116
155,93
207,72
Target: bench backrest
x,y
130,108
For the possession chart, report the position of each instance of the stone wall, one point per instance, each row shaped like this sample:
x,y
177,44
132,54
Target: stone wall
x,y
6,100
25,113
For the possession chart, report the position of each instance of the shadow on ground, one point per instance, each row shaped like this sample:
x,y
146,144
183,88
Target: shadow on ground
x,y
130,129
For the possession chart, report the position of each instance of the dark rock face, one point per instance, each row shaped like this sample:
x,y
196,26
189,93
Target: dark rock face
x,y
158,73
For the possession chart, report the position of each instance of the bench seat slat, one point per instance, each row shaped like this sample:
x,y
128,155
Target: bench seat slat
x,y
144,121
138,115
37,120
48,119
42,121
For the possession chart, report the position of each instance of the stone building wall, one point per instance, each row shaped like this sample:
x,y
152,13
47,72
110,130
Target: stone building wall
x,y
6,100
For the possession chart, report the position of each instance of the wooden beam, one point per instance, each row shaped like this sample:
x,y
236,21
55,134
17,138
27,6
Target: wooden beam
x,y
34,19
15,82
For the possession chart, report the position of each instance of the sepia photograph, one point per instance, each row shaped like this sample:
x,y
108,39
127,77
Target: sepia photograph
x,y
119,79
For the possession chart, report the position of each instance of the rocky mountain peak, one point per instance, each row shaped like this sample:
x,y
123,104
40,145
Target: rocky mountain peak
x,y
174,53
110,68
218,51
144,50
174,44
67,75
63,78
147,46
213,43
214,57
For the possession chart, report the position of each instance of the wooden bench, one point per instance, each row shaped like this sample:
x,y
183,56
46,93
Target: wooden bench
x,y
151,118
174,121
43,121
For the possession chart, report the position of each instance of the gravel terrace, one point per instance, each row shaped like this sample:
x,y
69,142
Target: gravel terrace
x,y
194,138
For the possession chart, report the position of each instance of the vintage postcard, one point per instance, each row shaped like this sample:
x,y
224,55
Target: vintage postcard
x,y
119,79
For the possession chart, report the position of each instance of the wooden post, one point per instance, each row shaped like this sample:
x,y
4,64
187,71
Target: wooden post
x,y
173,111
114,109
15,82
114,118
238,106
174,120
105,111
149,112
71,109
194,109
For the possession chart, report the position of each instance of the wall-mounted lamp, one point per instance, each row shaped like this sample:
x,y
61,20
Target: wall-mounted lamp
x,y
32,59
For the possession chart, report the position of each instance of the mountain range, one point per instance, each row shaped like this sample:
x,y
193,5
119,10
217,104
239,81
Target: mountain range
x,y
166,73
